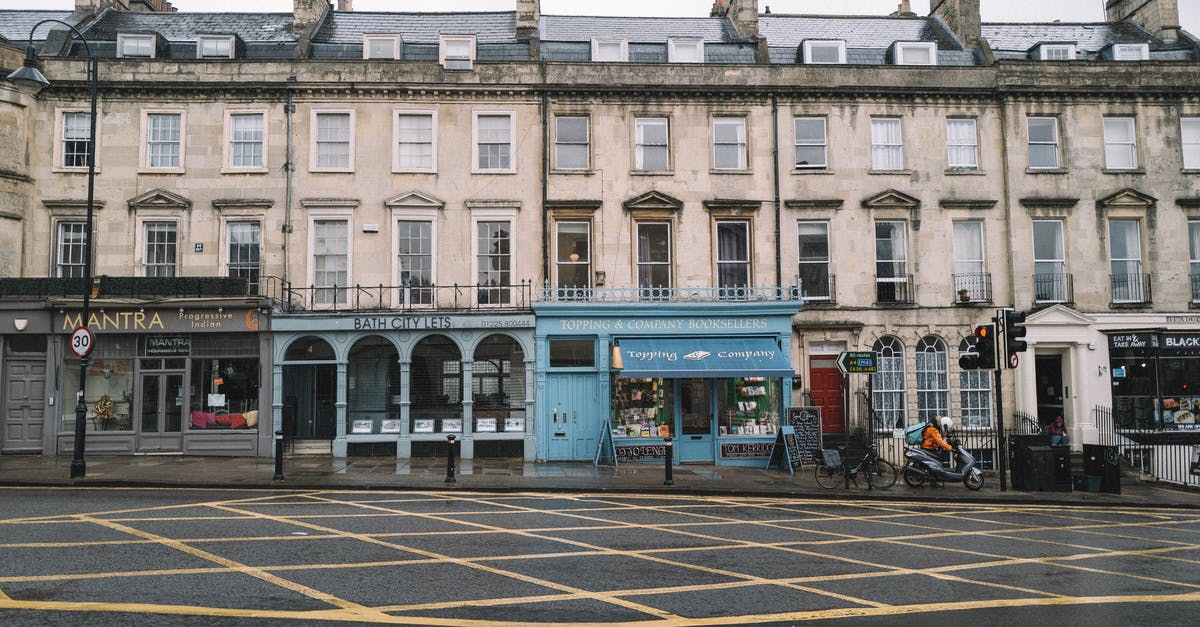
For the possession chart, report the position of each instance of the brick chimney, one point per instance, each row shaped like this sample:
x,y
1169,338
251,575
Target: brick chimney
x,y
961,17
904,9
1160,17
742,13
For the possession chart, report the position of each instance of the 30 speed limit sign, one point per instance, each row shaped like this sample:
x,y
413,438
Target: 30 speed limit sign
x,y
81,341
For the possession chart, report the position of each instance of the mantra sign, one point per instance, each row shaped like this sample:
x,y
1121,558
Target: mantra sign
x,y
163,320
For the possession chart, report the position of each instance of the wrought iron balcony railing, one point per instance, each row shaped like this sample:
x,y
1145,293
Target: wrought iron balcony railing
x,y
291,298
973,287
1131,289
133,287
818,288
1053,288
1196,288
667,294
894,290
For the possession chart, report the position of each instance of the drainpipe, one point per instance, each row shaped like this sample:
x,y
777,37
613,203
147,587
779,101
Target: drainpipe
x,y
775,176
545,197
289,109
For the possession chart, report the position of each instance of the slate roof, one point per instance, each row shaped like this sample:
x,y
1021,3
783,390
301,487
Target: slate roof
x,y
1088,37
348,27
15,25
856,31
250,27
636,29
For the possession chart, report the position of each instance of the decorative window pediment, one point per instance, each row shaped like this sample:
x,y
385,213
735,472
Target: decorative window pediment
x,y
159,199
414,200
653,201
891,199
1127,198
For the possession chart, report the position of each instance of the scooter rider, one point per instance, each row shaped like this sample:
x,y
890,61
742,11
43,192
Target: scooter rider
x,y
931,437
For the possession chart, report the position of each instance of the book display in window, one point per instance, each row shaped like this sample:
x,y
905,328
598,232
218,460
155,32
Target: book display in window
x,y
642,408
748,406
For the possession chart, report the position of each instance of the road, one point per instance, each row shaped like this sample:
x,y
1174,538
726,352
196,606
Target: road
x,y
112,556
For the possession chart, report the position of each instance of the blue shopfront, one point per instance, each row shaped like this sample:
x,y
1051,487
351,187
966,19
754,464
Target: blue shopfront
x,y
714,376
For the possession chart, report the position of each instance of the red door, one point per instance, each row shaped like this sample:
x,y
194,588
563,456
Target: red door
x,y
826,384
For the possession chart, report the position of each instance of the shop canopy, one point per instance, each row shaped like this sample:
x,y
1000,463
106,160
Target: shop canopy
x,y
703,357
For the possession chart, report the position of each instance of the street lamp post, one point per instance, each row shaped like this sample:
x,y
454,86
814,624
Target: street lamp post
x,y
29,76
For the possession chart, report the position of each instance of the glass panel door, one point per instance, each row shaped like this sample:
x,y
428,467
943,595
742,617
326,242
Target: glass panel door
x,y
161,408
696,428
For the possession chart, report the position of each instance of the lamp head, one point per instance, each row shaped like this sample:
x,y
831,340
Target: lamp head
x,y
29,77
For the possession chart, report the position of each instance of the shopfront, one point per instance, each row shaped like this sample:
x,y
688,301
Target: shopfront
x,y
1155,380
715,377
399,384
163,380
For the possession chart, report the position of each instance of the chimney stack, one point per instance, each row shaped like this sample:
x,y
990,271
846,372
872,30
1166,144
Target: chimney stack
x,y
1159,17
904,9
528,14
345,5
742,13
961,17
307,13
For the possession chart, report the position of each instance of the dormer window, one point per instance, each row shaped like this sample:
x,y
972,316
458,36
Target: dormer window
x,y
457,51
914,53
824,52
610,49
1131,52
685,50
1056,52
214,47
135,46
381,47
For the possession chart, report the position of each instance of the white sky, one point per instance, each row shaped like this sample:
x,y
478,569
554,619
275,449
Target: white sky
x,y
993,10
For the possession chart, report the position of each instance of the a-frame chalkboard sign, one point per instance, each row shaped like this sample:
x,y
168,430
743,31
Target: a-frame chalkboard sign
x,y
807,423
606,452
785,453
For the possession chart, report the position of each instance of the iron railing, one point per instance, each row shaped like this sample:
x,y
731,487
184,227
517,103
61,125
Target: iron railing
x,y
1053,288
292,298
1131,289
982,442
819,288
1170,455
135,287
668,294
1195,288
973,287
894,290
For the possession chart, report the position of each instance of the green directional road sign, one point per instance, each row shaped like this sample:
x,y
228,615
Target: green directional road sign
x,y
851,362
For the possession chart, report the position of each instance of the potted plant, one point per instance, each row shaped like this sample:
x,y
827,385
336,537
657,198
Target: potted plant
x,y
964,296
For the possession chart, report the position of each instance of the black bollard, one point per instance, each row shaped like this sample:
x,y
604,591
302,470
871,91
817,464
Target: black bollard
x,y
278,456
450,458
670,454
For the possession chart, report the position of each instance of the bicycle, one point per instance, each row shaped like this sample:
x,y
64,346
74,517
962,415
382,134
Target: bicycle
x,y
831,473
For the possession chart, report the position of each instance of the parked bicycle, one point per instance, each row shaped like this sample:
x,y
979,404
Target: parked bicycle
x,y
832,468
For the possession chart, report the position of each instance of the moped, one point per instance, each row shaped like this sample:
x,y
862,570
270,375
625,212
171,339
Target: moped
x,y
921,466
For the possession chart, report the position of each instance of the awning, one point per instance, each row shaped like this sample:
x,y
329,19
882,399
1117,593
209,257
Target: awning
x,y
704,357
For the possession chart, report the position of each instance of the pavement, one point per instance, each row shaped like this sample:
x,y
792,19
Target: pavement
x,y
378,473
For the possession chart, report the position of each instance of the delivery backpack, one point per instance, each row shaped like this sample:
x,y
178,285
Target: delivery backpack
x,y
912,434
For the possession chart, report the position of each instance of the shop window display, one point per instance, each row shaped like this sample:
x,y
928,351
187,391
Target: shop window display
x,y
436,386
498,386
747,406
109,387
643,407
373,379
224,394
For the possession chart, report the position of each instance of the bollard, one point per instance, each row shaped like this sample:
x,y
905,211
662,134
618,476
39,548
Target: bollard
x,y
670,450
450,458
278,456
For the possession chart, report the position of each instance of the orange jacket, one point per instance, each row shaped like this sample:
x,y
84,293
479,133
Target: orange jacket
x,y
932,439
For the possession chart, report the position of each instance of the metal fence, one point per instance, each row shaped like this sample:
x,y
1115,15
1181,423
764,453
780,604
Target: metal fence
x,y
290,297
981,442
1172,456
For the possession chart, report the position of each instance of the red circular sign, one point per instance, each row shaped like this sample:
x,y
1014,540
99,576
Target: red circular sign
x,y
1012,360
81,341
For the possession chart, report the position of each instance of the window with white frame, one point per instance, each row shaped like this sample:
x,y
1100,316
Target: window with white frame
x,y
685,50
247,140
824,51
160,248
135,46
970,279
1049,262
652,152
244,253
610,49
974,392
71,249
813,251
1125,257
887,145
1043,142
933,380
654,257
381,46
1194,250
333,141
888,386
493,258
891,261
1131,52
164,140
1056,52
962,144
330,273
571,142
733,256
1189,132
215,47
1120,143
493,142
414,239
456,52
573,255
76,131
729,143
415,141
810,143
916,53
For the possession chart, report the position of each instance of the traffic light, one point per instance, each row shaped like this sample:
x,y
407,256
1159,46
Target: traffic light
x,y
1014,330
985,344
970,359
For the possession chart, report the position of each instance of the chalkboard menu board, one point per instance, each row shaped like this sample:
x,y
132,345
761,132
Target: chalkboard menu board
x,y
807,423
785,452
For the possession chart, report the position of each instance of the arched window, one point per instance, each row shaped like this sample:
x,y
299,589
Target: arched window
x,y
498,385
933,382
373,396
309,349
887,384
975,392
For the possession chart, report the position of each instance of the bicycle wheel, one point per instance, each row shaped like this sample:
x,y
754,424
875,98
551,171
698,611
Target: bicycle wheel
x,y
829,477
883,474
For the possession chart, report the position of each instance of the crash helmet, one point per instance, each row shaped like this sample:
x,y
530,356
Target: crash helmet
x,y
945,423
